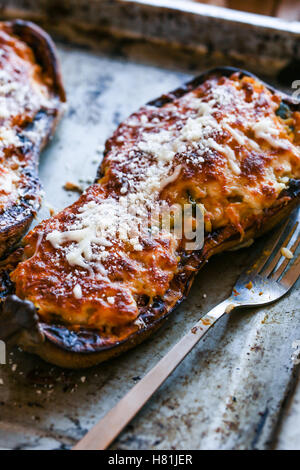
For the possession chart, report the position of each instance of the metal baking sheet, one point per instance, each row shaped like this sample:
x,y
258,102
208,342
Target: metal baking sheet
x,y
229,392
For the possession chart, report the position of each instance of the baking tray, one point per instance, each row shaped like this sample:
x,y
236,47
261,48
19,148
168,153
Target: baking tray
x,y
229,392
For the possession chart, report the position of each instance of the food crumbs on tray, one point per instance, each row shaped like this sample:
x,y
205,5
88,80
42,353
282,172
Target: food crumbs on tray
x,y
229,308
194,330
265,318
286,253
50,208
249,285
69,186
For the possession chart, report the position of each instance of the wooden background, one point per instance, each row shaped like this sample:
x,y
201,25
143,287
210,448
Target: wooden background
x,y
287,9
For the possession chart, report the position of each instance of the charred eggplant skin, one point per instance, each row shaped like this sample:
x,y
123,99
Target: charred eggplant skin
x,y
44,51
84,348
16,219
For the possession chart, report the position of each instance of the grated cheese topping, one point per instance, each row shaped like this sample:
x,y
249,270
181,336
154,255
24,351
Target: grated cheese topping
x,y
206,148
97,224
286,253
8,180
149,164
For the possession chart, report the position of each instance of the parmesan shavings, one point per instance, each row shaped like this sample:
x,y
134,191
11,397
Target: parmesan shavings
x,y
77,292
266,129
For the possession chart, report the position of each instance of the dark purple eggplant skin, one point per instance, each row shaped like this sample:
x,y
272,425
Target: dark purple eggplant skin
x,y
84,348
17,218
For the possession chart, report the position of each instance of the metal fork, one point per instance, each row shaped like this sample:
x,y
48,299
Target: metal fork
x,y
267,280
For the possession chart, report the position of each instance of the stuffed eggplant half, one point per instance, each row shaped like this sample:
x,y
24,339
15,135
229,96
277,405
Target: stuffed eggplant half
x,y
97,276
31,98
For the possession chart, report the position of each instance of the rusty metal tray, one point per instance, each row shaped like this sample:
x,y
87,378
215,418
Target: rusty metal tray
x,y
229,393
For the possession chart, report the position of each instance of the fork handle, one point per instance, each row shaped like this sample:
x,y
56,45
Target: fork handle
x,y
110,426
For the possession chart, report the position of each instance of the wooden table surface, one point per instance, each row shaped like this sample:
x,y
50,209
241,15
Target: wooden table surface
x,y
287,9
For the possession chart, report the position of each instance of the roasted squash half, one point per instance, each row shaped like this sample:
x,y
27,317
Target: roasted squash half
x,y
31,102
98,276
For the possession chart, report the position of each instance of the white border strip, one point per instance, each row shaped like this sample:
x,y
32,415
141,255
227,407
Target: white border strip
x,y
226,14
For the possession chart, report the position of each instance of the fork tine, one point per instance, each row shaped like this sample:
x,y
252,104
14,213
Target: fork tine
x,y
284,264
292,274
268,250
268,270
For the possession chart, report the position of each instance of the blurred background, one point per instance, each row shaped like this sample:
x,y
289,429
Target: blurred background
x,y
287,9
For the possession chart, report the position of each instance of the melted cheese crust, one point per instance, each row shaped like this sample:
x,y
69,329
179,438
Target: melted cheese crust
x,y
221,145
23,92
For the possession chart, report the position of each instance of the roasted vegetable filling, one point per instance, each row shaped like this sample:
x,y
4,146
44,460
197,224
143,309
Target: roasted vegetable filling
x,y
229,146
